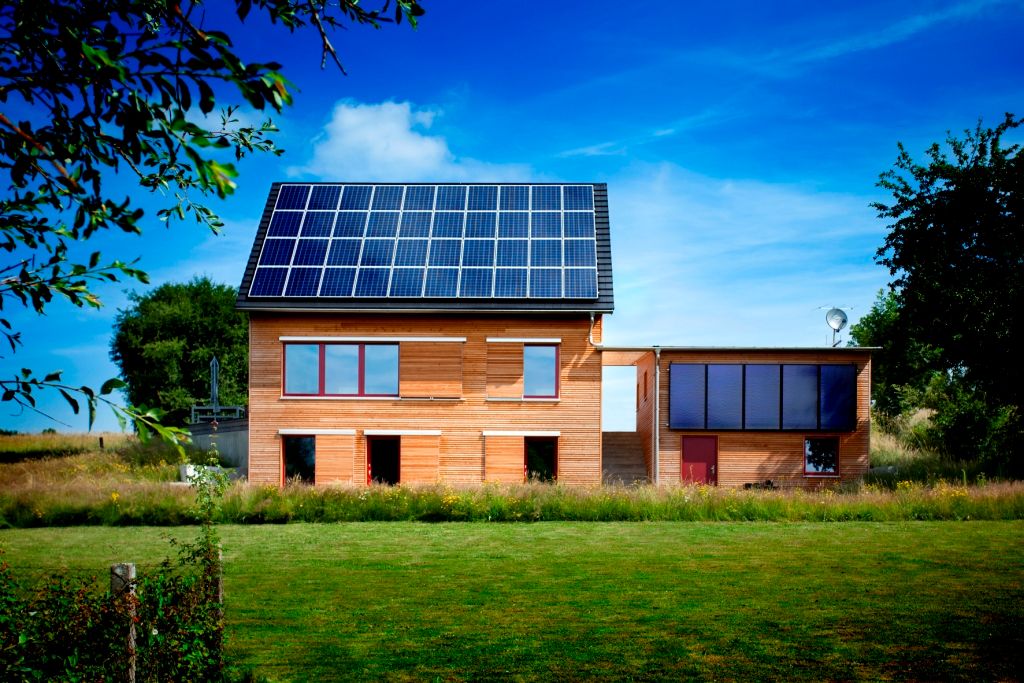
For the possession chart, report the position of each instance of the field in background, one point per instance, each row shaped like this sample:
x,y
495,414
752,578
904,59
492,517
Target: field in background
x,y
659,601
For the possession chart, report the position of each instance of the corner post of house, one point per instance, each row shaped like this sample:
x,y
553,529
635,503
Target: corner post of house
x,y
657,415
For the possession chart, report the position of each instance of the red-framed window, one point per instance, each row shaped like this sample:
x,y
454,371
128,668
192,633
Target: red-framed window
x,y
821,456
540,370
319,369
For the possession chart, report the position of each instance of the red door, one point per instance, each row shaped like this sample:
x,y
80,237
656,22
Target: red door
x,y
700,459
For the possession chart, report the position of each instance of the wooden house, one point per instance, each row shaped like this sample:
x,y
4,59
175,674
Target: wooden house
x,y
422,332
415,333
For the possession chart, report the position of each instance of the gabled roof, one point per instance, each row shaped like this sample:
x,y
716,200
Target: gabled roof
x,y
536,247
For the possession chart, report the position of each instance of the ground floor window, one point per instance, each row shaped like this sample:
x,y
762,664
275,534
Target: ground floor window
x,y
383,460
821,456
541,459
300,459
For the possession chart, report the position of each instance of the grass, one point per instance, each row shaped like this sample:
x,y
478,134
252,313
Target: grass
x,y
656,601
22,447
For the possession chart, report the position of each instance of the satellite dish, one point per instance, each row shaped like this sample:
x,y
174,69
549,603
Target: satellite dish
x,y
836,319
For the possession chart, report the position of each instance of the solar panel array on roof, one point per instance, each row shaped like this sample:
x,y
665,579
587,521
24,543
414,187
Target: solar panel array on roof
x,y
429,241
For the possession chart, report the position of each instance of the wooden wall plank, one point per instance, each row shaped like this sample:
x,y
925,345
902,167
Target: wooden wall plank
x,y
334,456
505,370
419,458
506,458
430,370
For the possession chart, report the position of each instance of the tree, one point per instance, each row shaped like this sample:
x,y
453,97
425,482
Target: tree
x,y
164,341
902,367
95,88
956,251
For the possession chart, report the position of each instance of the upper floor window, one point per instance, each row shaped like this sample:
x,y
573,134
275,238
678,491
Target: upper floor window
x,y
540,371
341,369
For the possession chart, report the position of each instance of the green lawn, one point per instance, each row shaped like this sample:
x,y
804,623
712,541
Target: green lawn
x,y
614,601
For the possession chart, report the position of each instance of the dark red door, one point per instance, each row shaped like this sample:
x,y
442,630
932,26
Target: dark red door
x,y
700,459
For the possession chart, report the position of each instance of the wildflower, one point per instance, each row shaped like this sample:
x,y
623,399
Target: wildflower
x,y
114,496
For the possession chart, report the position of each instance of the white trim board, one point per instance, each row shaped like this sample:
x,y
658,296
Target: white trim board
x,y
520,433
401,432
372,339
524,340
314,431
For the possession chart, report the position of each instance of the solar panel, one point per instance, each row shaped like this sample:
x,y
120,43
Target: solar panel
x,y
285,224
318,223
344,252
338,282
432,241
514,224
324,197
303,281
372,282
476,282
483,197
277,252
382,224
512,252
415,224
377,252
411,253
478,253
481,224
419,197
510,282
546,283
441,282
406,282
310,253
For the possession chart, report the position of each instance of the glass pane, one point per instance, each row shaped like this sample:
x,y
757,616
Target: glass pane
x,y
380,363
762,397
839,397
341,369
686,396
821,456
799,396
540,371
725,396
302,368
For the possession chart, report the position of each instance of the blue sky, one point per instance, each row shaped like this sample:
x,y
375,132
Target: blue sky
x,y
741,143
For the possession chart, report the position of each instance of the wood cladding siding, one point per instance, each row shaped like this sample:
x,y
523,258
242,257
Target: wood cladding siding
x,y
645,408
334,458
462,421
754,456
430,370
504,370
419,459
505,457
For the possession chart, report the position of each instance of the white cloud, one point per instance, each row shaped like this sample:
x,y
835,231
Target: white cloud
x,y
724,262
390,141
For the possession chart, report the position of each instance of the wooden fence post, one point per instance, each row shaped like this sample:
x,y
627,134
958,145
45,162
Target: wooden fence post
x,y
122,580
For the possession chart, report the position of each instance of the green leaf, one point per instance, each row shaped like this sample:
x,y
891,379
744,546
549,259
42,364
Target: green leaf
x,y
112,384
70,399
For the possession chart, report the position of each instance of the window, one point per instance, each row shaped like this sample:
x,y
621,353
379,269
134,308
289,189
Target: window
x,y
821,457
540,371
763,397
300,459
341,369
